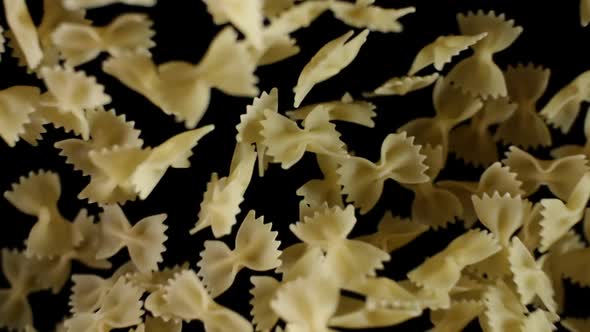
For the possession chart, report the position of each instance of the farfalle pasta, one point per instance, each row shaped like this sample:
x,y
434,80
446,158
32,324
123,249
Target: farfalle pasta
x,y
403,85
346,109
568,150
362,180
478,74
328,62
327,190
256,248
246,16
17,105
24,32
563,108
364,14
394,233
87,4
80,43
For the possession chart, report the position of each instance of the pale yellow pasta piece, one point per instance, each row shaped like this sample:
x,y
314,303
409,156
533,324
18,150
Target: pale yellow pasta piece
x,y
576,324
563,108
456,317
504,312
363,180
153,281
222,199
153,324
560,175
452,107
363,14
464,137
250,126
272,8
478,74
328,62
346,260
24,31
531,281
81,43
256,248
530,233
525,128
584,12
245,15
106,129
121,307
264,290
559,217
357,314
144,240
88,4
346,109
307,304
574,149
570,265
286,142
403,85
442,271
299,261
186,298
434,206
17,104
442,50
502,215
540,321
394,233
327,190
387,293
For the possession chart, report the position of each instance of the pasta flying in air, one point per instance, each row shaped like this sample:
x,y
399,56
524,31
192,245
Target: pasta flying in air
x,y
245,15
17,104
568,150
363,14
403,85
24,32
88,4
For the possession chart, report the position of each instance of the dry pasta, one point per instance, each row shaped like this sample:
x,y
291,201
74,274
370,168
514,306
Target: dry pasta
x,y
17,105
327,190
346,109
394,233
87,4
584,12
363,14
246,16
403,85
24,32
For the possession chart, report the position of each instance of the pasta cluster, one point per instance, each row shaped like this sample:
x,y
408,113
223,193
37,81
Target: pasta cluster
x,y
506,269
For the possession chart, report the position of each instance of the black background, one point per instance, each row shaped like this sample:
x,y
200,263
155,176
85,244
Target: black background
x,y
552,37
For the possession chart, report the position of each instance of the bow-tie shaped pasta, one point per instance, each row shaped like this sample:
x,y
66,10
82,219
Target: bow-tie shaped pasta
x,y
394,233
221,202
574,149
363,14
89,291
560,217
478,74
307,304
250,126
465,137
496,178
71,92
185,298
328,62
24,31
246,15
442,271
152,324
81,43
287,142
256,248
144,240
525,128
363,180
563,108
530,279
106,130
88,4
327,190
402,85
442,50
121,307
128,171
456,317
153,281
346,109
37,194
452,107
560,175
433,206
22,274
17,104
183,89
346,259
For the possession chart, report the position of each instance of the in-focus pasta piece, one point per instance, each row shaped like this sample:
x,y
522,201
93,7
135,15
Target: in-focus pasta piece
x,y
477,133
264,290
478,74
574,149
563,108
24,31
246,15
525,128
442,50
80,43
286,142
401,161
144,240
88,4
332,58
560,217
317,192
560,175
17,104
222,199
346,109
394,233
256,248
364,14
403,85
183,89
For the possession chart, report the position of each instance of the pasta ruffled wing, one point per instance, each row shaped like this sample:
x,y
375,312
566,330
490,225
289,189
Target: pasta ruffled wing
x,y
346,109
502,215
247,16
563,108
403,85
394,233
17,104
24,31
363,14
264,290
